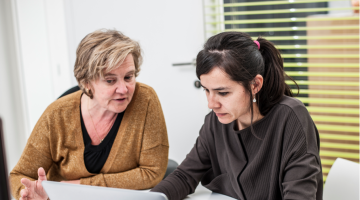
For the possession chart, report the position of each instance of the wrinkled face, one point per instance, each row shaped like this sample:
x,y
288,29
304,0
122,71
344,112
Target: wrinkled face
x,y
115,91
227,98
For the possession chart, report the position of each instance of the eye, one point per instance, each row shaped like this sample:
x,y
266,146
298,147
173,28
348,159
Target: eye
x,y
110,81
223,93
206,90
128,77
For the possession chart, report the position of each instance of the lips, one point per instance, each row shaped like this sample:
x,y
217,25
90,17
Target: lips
x,y
220,114
120,99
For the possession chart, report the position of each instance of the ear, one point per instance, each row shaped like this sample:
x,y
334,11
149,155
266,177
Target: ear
x,y
89,88
88,85
256,84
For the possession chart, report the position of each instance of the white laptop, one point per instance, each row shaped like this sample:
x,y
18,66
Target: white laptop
x,y
66,191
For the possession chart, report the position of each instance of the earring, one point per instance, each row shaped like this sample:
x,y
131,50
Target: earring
x,y
254,100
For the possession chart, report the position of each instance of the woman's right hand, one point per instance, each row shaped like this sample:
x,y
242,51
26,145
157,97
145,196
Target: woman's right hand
x,y
33,189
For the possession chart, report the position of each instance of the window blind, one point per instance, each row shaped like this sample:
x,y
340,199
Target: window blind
x,y
320,51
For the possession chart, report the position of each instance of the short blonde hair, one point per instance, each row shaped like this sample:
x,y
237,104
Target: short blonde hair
x,y
101,52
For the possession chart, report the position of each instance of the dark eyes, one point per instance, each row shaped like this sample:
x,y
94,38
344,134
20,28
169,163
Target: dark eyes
x,y
220,93
128,77
111,81
223,93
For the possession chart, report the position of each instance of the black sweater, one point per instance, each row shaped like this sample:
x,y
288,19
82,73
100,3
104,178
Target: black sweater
x,y
285,164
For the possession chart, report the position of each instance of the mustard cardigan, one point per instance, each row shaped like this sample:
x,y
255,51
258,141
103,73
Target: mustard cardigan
x,y
137,160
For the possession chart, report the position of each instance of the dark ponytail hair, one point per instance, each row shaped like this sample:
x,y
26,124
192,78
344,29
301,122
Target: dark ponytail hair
x,y
238,55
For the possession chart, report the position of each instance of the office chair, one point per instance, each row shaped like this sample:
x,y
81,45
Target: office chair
x,y
342,181
172,165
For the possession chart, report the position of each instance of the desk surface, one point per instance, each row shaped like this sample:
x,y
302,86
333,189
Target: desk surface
x,y
202,193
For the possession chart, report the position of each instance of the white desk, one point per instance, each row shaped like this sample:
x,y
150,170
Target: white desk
x,y
202,193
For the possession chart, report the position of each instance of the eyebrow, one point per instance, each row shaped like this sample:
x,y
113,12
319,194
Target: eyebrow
x,y
131,72
106,75
219,88
110,74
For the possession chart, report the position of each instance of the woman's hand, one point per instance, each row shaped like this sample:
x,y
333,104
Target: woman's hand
x,y
33,189
72,182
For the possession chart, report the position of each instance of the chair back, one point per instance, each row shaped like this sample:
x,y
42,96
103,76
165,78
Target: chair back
x,y
342,181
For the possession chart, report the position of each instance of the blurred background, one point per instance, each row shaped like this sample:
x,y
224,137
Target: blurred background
x,y
318,39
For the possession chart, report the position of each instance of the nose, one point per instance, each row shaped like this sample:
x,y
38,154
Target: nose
x,y
212,102
121,87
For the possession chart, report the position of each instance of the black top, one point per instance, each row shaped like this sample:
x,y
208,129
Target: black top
x,y
96,156
283,164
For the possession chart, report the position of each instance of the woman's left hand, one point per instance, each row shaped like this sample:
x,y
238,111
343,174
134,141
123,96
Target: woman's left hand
x,y
72,182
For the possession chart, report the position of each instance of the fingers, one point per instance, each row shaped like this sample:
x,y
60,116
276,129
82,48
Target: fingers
x,y
41,174
24,193
33,187
26,182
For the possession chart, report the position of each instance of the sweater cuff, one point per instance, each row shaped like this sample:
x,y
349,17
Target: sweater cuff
x,y
97,180
162,190
85,181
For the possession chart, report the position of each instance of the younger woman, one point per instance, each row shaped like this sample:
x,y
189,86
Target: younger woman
x,y
258,142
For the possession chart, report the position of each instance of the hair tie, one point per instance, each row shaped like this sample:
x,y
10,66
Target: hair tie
x,y
257,43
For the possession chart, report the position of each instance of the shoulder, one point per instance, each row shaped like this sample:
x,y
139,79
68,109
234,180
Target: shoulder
x,y
69,102
59,117
294,104
144,91
144,99
287,108
299,121
297,108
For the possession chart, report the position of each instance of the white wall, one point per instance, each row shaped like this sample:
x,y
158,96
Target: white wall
x,y
44,52
11,91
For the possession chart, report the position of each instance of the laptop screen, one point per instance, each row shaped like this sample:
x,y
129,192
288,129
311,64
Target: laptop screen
x,y
4,187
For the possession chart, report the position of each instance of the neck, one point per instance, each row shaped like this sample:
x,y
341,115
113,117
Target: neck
x,y
244,121
96,111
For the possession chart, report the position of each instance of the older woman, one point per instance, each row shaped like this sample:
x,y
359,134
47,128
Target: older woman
x,y
112,133
258,142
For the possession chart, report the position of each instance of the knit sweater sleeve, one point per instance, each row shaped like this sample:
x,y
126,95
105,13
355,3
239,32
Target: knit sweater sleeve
x,y
302,172
186,177
153,155
36,154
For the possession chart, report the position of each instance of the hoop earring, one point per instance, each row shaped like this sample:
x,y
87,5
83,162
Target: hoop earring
x,y
89,93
